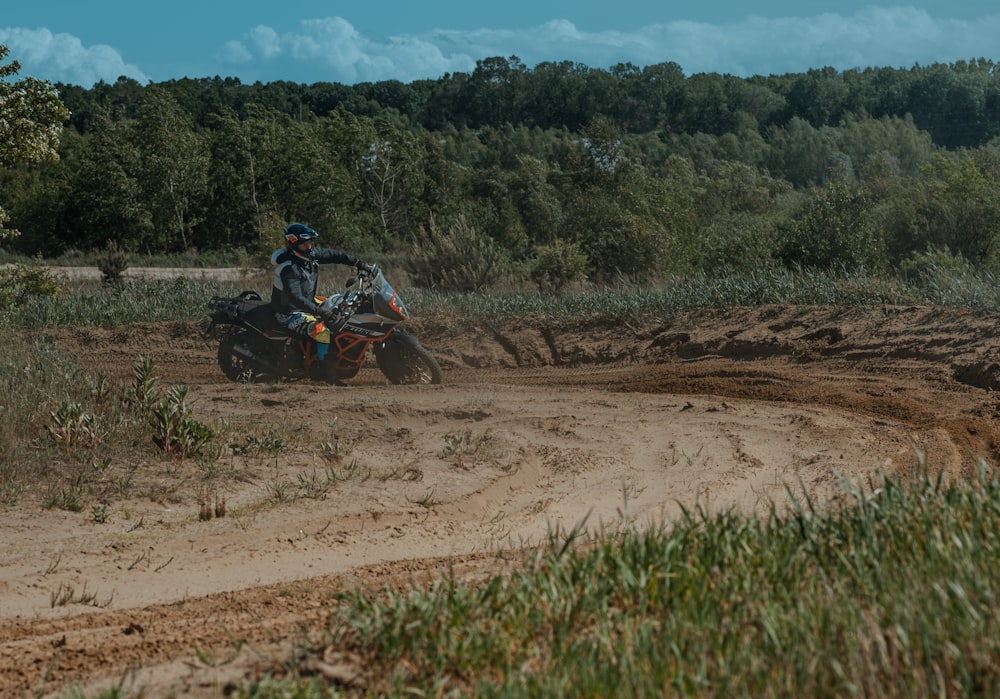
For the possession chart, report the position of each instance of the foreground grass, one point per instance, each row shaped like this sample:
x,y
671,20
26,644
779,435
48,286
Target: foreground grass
x,y
892,593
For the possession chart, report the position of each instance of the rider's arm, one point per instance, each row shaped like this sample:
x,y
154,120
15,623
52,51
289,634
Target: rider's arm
x,y
333,256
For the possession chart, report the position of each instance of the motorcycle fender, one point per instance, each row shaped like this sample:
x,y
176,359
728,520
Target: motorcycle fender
x,y
400,338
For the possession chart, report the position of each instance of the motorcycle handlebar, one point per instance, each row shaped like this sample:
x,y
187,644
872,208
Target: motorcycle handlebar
x,y
366,272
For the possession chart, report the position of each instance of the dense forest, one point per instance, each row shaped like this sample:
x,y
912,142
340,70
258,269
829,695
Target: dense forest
x,y
561,169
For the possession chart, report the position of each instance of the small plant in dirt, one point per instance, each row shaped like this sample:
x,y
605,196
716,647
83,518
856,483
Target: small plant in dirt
x,y
144,384
456,449
73,427
264,444
174,430
465,451
72,438
211,505
316,484
99,513
69,499
427,500
67,594
281,490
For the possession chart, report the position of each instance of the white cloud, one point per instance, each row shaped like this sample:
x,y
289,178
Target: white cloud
x,y
235,53
265,42
900,36
333,49
63,58
876,36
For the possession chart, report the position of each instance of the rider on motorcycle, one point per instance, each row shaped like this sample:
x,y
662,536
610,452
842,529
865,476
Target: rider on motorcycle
x,y
293,295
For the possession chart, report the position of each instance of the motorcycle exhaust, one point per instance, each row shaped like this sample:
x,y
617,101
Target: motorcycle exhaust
x,y
259,360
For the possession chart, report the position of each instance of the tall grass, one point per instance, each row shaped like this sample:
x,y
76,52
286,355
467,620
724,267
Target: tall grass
x,y
132,302
186,299
893,593
634,303
34,380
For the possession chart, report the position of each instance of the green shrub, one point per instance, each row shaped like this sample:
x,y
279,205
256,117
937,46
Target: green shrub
x,y
739,242
112,262
20,282
920,266
835,231
619,241
558,265
459,259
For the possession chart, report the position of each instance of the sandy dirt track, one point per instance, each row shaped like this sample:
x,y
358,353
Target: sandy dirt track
x,y
533,431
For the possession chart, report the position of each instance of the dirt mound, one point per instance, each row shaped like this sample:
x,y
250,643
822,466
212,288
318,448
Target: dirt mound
x,y
533,430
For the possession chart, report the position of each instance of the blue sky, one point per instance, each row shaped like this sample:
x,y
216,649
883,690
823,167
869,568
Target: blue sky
x,y
82,42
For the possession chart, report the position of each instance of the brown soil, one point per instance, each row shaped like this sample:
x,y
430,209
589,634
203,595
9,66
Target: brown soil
x,y
533,431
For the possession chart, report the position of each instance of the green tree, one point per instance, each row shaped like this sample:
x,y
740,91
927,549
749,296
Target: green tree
x,y
951,102
107,199
493,89
173,169
803,154
390,175
557,265
304,180
654,96
961,211
863,139
739,188
819,96
375,175
454,259
31,118
493,211
537,200
556,95
706,108
238,209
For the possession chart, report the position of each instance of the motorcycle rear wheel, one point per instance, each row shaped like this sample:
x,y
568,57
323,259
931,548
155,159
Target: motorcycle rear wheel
x,y
237,366
405,364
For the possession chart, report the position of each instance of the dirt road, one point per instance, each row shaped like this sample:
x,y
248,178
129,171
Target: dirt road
x,y
532,432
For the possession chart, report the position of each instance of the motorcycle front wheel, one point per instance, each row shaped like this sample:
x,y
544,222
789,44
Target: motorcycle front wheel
x,y
408,364
235,364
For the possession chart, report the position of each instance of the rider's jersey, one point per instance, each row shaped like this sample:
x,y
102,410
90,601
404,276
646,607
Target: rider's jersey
x,y
296,278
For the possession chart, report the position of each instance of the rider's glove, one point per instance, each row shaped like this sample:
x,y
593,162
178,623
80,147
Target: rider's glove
x,y
331,317
363,267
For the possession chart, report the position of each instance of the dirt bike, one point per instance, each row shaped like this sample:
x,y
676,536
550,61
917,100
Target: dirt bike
x,y
255,347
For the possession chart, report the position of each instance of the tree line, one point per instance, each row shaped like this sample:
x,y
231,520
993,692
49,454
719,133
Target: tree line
x,y
562,169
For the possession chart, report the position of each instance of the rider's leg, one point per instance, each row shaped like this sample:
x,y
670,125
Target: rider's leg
x,y
318,331
310,326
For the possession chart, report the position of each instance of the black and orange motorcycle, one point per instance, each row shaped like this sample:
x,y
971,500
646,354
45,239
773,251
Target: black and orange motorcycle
x,y
254,347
